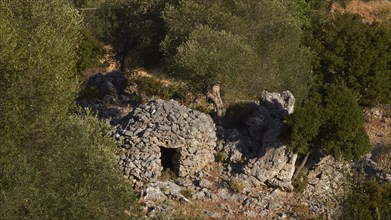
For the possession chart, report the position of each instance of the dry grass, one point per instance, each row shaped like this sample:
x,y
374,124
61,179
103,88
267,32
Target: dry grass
x,y
155,73
379,132
188,211
370,10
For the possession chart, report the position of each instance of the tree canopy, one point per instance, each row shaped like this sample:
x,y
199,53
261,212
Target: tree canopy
x,y
330,120
53,164
356,53
368,199
265,34
133,28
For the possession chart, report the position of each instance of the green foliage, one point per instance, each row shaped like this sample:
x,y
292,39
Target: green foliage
x,y
52,164
85,3
246,46
300,183
66,173
90,51
356,53
221,156
301,9
368,200
210,57
236,185
343,133
305,124
331,120
133,28
38,55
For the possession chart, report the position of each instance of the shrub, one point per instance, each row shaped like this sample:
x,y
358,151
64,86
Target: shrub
x,y
133,28
342,134
89,52
300,183
332,121
356,53
209,42
221,156
304,124
53,164
236,185
368,200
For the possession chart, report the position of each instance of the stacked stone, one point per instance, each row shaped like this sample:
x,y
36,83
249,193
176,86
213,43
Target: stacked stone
x,y
165,124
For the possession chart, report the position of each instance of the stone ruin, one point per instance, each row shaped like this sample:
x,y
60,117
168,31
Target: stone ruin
x,y
164,135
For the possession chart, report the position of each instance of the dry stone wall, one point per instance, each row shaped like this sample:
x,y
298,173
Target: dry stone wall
x,y
165,127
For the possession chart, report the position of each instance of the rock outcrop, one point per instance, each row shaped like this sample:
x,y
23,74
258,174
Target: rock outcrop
x,y
327,183
279,105
370,168
111,84
257,153
164,135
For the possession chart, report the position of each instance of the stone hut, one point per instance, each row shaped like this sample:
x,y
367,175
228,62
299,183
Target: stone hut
x,y
165,135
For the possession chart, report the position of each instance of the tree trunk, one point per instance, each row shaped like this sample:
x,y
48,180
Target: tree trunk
x,y
214,95
298,170
122,62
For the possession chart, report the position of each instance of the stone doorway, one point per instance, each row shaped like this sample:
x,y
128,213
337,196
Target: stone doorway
x,y
170,158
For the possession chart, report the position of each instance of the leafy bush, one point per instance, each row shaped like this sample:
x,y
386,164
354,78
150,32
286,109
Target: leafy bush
x,y
304,124
89,52
357,54
66,173
368,200
244,46
53,164
134,29
300,183
331,120
343,133
221,156
236,185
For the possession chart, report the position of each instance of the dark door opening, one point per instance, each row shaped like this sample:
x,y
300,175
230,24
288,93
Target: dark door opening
x,y
170,159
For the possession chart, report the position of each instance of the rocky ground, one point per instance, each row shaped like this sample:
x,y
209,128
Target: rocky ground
x,y
249,171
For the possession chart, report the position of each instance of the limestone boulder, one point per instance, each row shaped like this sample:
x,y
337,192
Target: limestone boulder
x,y
279,105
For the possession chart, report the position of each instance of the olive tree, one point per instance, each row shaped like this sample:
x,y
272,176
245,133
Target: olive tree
x,y
210,58
53,164
134,29
246,45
